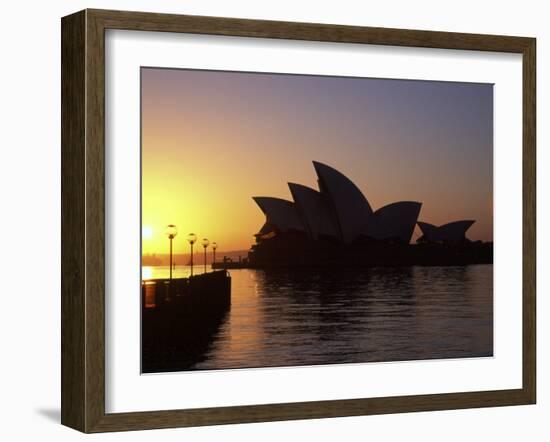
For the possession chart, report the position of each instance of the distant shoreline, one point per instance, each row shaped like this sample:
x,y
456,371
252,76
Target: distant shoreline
x,y
163,259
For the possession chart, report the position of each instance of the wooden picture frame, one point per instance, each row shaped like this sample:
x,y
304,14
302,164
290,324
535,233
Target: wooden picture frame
x,y
83,220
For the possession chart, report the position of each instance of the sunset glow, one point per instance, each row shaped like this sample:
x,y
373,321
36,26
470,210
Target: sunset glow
x,y
147,232
212,140
330,179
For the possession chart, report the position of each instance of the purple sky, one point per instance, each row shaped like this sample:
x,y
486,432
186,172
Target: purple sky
x,y
212,140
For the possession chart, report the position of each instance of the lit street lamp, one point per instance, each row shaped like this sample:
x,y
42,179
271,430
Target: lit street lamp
x,y
205,244
214,247
192,238
171,232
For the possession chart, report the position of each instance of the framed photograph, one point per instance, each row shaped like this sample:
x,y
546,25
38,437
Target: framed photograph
x,y
266,220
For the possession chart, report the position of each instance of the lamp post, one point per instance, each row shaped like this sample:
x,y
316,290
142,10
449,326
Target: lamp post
x,y
205,244
192,238
171,232
214,247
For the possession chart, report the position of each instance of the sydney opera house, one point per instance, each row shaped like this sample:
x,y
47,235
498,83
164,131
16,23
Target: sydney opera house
x,y
337,224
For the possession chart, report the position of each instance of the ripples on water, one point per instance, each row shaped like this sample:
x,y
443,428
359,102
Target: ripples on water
x,y
286,318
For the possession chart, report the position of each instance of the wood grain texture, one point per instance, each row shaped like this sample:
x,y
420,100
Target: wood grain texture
x,y
73,253
83,219
529,220
95,222
144,21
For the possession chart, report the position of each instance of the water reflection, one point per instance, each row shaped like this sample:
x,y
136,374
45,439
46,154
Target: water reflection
x,y
286,318
163,272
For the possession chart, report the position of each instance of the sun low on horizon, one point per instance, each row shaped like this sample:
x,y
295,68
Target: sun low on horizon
x,y
212,140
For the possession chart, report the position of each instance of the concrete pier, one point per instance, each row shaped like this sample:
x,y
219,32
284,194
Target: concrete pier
x,y
180,318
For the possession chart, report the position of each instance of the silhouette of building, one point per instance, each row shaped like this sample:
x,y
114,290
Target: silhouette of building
x,y
338,211
281,216
315,213
447,233
395,221
350,207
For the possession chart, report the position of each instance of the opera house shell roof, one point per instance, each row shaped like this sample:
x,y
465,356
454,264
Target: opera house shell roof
x,y
451,232
337,210
281,215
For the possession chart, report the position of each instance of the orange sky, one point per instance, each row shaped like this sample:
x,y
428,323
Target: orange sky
x,y
212,140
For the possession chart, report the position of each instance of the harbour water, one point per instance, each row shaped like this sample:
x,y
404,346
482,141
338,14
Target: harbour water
x,y
289,318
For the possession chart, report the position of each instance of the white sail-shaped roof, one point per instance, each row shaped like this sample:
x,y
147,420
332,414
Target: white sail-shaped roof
x,y
350,206
394,221
450,232
280,214
314,210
